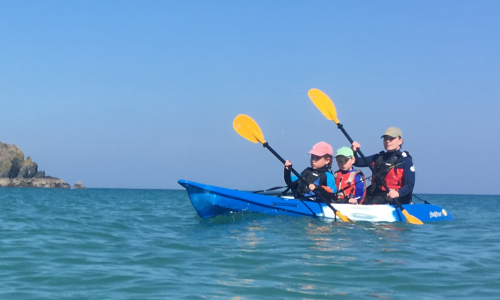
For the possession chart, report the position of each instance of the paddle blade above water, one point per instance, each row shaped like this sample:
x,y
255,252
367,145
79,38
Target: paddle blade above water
x,y
248,128
324,104
412,219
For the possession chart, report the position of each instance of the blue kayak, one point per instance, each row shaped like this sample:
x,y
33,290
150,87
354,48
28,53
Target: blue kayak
x,y
211,201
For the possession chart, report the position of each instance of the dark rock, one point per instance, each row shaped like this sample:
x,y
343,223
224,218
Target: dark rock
x,y
15,166
28,169
39,174
9,155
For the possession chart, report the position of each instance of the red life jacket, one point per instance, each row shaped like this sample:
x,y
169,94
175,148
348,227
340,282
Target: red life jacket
x,y
346,185
393,176
394,179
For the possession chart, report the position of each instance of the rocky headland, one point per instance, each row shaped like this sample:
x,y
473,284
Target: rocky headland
x,y
15,171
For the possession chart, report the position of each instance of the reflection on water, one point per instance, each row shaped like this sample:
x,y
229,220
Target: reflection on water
x,y
380,296
335,243
249,236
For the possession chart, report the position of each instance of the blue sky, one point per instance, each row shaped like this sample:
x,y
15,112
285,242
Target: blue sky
x,y
139,94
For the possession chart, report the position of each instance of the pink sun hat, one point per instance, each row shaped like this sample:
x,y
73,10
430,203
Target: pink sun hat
x,y
321,148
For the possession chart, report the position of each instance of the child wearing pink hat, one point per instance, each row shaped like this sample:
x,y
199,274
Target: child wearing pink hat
x,y
319,176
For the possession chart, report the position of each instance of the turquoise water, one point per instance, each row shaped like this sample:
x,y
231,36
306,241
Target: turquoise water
x,y
150,244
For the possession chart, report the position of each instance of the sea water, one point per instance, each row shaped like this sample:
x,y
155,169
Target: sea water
x,y
150,244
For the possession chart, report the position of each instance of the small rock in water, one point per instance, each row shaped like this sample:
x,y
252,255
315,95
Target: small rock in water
x,y
78,185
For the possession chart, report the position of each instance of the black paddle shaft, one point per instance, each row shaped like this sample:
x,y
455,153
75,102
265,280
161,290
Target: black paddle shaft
x,y
380,180
302,180
266,145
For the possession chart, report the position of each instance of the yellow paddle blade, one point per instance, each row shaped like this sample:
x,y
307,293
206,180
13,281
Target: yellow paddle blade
x,y
411,219
248,128
324,104
343,218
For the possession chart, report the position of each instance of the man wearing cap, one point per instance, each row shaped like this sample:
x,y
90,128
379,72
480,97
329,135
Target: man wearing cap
x,y
393,166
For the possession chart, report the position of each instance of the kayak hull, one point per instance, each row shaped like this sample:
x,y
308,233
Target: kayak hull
x,y
211,201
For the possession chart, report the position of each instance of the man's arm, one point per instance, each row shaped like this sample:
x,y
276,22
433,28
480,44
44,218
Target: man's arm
x,y
408,177
360,163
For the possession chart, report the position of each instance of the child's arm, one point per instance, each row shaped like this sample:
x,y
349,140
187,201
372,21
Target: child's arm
x,y
287,175
360,187
328,190
330,182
